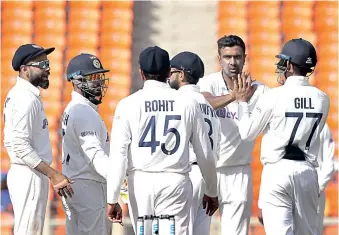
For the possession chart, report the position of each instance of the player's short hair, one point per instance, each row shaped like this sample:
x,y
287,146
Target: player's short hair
x,y
190,79
231,41
301,71
157,77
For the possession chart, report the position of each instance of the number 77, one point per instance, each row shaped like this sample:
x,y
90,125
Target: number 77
x,y
299,115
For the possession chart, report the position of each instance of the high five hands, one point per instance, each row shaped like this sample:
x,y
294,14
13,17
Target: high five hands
x,y
243,88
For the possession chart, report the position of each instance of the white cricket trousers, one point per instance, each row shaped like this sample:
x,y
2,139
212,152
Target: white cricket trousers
x,y
321,211
289,195
235,199
86,209
200,222
160,194
28,190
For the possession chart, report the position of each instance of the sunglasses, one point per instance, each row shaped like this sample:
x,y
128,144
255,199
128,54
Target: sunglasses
x,y
41,65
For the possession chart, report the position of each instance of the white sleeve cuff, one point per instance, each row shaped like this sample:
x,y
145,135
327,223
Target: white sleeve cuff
x,y
112,200
32,159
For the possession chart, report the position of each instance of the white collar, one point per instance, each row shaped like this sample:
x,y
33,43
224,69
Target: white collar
x,y
190,87
26,84
297,80
78,97
149,84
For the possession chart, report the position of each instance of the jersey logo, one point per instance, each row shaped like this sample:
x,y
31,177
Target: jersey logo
x,y
222,113
44,123
85,133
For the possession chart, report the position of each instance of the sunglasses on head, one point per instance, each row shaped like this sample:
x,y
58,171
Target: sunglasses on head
x,y
41,64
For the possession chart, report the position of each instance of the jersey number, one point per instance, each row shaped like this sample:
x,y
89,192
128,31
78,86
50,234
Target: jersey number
x,y
299,116
210,132
151,127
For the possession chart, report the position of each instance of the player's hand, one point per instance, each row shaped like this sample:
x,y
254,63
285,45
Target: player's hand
x,y
114,213
211,204
62,185
261,220
242,87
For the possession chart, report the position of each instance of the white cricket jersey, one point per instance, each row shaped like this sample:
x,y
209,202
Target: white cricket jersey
x,y
233,150
325,158
85,143
294,114
151,132
210,117
26,125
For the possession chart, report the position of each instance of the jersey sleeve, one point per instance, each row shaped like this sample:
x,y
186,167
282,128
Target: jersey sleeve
x,y
118,158
327,154
86,127
24,116
202,148
251,124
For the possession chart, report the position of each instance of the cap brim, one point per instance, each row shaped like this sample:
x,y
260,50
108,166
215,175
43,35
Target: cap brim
x,y
97,71
44,51
49,50
283,56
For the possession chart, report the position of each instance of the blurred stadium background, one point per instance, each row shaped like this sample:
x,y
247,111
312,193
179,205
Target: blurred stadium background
x,y
118,31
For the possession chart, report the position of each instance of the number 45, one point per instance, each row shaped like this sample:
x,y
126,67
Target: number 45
x,y
151,127
318,116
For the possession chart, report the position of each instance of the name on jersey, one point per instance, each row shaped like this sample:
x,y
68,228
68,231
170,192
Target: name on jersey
x,y
223,113
64,118
159,105
207,110
44,123
303,103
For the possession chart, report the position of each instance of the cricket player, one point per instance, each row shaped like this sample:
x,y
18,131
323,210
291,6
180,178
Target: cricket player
x,y
151,132
186,70
26,139
325,171
85,148
233,166
291,117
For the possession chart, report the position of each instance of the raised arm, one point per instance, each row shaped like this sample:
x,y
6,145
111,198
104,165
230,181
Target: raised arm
x,y
218,102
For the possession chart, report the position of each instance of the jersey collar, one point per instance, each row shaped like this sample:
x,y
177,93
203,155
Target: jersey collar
x,y
78,97
190,87
297,80
149,84
27,85
222,84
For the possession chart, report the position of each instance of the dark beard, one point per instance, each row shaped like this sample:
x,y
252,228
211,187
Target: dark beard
x,y
174,84
44,84
38,81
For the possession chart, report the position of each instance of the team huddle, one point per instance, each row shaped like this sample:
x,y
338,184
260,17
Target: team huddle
x,y
183,145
